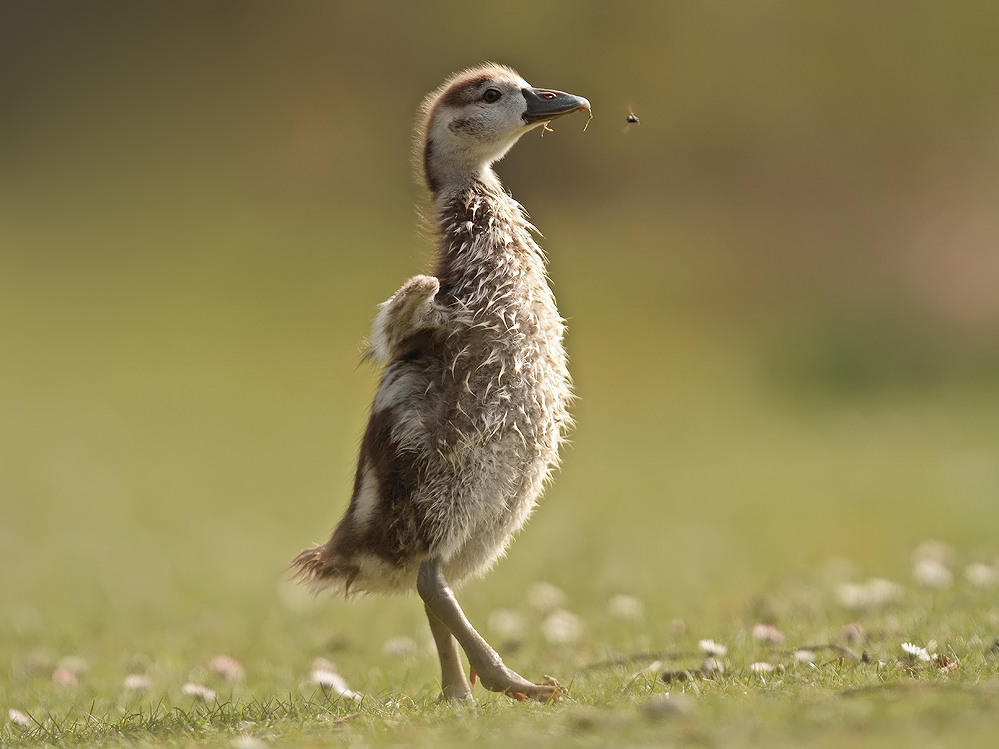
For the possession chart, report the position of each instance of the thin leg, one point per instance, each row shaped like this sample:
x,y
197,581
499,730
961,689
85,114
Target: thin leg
x,y
484,661
454,685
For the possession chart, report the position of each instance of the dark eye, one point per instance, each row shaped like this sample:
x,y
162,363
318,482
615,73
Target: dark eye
x,y
491,95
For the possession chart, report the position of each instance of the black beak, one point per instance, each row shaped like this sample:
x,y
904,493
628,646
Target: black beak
x,y
544,104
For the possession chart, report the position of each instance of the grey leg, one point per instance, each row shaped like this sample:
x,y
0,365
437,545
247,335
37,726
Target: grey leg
x,y
454,685
484,661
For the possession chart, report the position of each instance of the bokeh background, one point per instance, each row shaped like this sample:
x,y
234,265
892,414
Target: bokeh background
x,y
782,287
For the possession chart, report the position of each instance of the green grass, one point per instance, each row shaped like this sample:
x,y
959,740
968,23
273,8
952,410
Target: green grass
x,y
868,692
177,425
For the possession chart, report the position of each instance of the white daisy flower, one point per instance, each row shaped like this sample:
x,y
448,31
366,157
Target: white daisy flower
x,y
18,718
872,594
562,627
508,624
398,647
333,682
545,597
63,677
932,573
761,667
981,575
627,607
713,665
767,633
198,691
713,648
881,591
804,656
137,682
227,667
915,651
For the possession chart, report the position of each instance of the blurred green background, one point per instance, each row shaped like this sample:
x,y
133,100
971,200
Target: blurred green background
x,y
782,288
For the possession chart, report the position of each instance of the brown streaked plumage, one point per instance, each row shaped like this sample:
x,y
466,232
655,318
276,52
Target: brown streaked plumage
x,y
473,402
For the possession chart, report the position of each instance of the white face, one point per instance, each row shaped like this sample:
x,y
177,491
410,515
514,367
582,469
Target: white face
x,y
476,117
476,122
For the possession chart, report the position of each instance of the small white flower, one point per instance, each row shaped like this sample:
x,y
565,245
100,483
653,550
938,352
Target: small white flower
x,y
713,665
713,648
761,667
914,651
981,575
545,597
507,624
198,691
332,681
63,677
398,647
881,591
679,628
19,718
328,679
227,667
137,682
622,606
875,593
767,633
804,656
932,573
852,595
562,627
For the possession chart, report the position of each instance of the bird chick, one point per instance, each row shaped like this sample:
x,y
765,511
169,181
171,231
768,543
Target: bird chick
x,y
472,406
